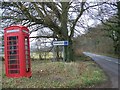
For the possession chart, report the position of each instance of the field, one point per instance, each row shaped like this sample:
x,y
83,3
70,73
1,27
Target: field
x,y
44,55
47,74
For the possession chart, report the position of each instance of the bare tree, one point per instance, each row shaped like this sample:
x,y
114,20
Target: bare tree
x,y
63,18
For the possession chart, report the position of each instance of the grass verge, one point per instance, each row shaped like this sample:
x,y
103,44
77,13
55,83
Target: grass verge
x,y
59,75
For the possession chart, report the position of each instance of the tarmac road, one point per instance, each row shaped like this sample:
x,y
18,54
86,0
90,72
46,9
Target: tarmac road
x,y
109,65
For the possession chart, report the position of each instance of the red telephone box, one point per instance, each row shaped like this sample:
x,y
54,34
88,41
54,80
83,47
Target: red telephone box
x,y
17,51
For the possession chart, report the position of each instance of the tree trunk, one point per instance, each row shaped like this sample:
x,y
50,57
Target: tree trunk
x,y
70,50
40,57
118,31
64,29
117,47
57,53
65,53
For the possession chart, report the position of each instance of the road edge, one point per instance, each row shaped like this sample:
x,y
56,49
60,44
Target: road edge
x,y
105,84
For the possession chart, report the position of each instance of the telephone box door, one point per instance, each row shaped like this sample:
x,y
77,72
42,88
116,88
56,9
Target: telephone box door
x,y
13,55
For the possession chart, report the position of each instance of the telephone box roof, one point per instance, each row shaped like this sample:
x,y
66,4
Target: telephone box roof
x,y
15,26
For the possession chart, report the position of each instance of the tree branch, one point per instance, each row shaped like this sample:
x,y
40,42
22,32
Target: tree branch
x,y
74,23
43,37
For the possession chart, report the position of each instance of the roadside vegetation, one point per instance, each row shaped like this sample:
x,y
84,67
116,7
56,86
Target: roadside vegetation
x,y
47,74
96,41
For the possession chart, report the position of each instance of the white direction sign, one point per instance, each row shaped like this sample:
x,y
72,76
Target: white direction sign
x,y
60,43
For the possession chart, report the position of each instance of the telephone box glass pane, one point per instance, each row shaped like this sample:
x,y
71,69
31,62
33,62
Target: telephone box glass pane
x,y
13,66
27,54
13,59
13,71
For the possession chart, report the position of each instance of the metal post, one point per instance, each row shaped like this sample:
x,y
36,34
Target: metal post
x,y
61,43
54,54
63,53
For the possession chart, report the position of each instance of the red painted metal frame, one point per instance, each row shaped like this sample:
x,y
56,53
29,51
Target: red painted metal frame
x,y
21,52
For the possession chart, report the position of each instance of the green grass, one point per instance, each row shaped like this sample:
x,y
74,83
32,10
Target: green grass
x,y
58,75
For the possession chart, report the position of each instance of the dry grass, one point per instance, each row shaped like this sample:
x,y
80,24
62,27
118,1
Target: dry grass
x,y
58,75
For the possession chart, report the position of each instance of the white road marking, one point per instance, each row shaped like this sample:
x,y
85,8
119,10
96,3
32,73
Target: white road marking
x,y
112,61
100,55
108,60
117,63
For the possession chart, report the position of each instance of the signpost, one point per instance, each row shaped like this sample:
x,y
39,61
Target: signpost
x,y
60,43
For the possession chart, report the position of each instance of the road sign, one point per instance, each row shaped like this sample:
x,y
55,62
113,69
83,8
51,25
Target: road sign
x,y
60,43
